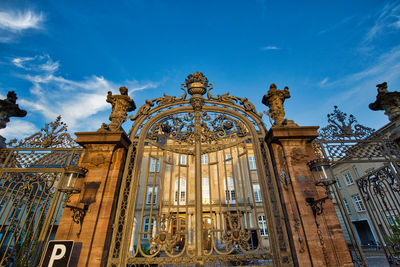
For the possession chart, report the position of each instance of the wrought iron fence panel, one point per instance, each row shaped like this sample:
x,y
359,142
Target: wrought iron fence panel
x,y
381,193
30,202
31,174
345,141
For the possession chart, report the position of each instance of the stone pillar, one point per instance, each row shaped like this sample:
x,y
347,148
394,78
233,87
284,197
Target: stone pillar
x,y
313,246
104,156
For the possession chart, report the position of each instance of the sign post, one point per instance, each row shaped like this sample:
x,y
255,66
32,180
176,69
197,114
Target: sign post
x,y
58,253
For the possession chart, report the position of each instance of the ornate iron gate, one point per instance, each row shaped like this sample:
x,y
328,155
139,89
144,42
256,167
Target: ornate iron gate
x,y
32,192
197,187
344,141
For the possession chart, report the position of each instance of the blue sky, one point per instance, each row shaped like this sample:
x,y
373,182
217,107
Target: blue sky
x,y
61,57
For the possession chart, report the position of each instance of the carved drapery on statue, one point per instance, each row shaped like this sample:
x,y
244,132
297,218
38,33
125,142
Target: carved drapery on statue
x,y
274,100
121,104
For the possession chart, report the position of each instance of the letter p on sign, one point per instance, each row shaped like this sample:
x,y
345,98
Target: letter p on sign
x,y
58,253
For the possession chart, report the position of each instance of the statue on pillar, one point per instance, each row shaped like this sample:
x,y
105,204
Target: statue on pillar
x,y
121,104
9,108
274,100
387,101
390,103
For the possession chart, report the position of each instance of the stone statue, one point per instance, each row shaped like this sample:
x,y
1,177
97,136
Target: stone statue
x,y
121,104
387,101
274,100
390,103
9,108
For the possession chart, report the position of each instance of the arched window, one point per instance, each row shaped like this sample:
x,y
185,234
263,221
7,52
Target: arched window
x,y
180,191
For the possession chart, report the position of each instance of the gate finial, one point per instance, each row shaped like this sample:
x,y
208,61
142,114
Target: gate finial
x,y
274,100
196,83
121,104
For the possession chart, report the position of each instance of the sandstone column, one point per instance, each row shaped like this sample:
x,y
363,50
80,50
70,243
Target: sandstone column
x,y
322,245
104,157
316,240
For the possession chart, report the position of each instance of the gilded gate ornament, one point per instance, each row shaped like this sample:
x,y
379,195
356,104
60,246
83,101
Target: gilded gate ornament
x,y
168,221
121,104
274,100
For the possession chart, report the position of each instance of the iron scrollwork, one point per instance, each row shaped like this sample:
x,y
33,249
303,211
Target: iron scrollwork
x,y
343,126
53,135
235,235
214,128
78,214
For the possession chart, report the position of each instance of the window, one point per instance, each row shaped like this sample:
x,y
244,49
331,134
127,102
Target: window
x,y
263,226
148,227
228,158
390,220
204,159
205,190
230,190
348,179
358,203
252,163
356,171
339,185
181,160
19,209
149,195
346,204
2,204
257,193
153,163
180,191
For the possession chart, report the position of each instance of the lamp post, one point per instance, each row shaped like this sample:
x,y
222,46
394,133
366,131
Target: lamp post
x,y
68,183
318,171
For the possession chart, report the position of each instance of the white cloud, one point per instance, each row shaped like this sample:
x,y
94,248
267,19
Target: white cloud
x,y
78,102
14,23
387,18
323,82
18,128
359,89
270,47
36,63
18,21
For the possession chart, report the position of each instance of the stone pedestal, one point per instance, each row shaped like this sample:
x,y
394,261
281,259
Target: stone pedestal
x,y
314,246
104,157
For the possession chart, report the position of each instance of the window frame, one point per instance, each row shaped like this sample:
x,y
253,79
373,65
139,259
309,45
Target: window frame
x,y
262,225
252,163
358,203
347,175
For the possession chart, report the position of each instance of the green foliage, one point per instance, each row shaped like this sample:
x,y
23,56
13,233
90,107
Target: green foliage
x,y
394,238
